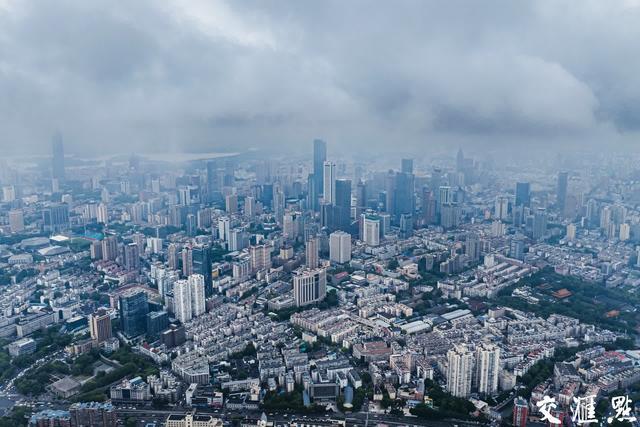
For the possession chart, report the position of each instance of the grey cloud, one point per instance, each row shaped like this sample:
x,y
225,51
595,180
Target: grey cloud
x,y
219,75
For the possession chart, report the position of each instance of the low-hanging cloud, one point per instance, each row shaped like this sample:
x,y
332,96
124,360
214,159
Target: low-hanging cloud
x,y
197,75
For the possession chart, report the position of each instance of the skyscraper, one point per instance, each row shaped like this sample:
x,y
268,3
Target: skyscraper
x,y
214,183
309,285
428,207
370,229
134,307
340,216
561,192
201,260
539,224
329,182
407,166
403,200
523,194
459,370
56,217
319,157
57,161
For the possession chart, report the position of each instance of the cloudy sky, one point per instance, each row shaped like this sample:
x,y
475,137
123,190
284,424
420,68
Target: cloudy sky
x,y
220,75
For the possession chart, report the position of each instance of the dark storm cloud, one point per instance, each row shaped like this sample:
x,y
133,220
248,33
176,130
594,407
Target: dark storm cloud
x,y
218,75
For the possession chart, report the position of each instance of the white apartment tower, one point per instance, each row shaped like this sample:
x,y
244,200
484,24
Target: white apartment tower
x,y
196,283
340,247
182,300
487,368
459,370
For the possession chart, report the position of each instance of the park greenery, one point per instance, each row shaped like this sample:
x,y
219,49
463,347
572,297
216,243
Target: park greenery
x,y
589,302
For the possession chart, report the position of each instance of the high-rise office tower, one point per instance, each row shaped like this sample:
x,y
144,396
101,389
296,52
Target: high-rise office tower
x,y
406,226
157,321
487,368
56,217
459,370
16,220
370,229
403,200
561,192
311,252
340,247
539,224
319,157
57,161
428,207
445,196
340,215
571,232
197,284
213,181
100,325
329,182
309,286
192,225
134,307
201,261
516,247
407,166
182,300
523,194
460,160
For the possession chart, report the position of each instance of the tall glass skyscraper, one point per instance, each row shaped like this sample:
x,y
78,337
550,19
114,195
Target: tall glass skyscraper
x,y
134,307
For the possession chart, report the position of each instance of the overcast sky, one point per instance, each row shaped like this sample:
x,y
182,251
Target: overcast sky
x,y
193,75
